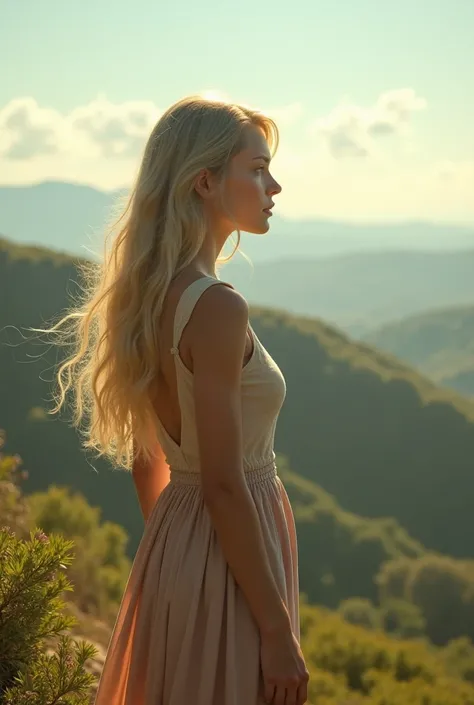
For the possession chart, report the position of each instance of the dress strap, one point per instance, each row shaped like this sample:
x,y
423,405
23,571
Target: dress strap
x,y
186,304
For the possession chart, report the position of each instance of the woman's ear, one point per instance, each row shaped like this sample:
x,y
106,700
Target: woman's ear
x,y
204,184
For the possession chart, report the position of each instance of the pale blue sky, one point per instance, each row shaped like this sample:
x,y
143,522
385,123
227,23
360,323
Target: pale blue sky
x,y
64,54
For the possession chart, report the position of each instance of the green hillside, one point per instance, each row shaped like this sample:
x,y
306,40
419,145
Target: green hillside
x,y
341,553
439,343
370,431
380,437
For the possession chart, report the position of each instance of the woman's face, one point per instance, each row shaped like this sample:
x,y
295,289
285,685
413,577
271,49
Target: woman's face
x,y
249,187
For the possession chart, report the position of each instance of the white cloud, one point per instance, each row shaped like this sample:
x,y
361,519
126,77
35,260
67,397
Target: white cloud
x,y
97,129
99,143
28,130
350,130
117,130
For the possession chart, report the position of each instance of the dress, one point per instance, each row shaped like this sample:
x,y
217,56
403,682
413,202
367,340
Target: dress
x,y
184,634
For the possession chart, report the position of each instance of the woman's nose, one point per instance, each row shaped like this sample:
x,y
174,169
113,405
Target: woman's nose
x,y
275,187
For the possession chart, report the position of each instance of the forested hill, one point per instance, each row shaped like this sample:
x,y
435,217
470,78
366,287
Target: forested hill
x,y
440,343
373,432
368,429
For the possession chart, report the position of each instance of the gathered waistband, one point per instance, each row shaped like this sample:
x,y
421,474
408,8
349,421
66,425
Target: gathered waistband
x,y
253,476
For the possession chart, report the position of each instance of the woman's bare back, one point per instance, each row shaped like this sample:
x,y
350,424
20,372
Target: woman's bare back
x,y
165,391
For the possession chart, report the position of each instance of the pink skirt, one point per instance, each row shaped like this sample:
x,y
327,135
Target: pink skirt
x,y
184,634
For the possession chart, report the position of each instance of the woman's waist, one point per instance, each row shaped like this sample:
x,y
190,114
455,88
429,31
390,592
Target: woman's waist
x,y
253,474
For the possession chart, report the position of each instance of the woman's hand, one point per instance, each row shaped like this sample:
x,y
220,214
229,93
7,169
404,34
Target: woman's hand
x,y
285,676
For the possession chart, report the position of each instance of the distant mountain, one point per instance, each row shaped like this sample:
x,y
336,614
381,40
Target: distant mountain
x,y
64,215
366,428
355,276
360,291
439,343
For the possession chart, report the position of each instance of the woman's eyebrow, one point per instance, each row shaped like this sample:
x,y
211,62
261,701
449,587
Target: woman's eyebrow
x,y
264,157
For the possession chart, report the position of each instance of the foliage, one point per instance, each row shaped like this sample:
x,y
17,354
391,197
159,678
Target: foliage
x,y
13,508
360,611
441,587
31,583
340,552
55,679
353,666
459,658
39,664
439,343
402,619
101,567
401,587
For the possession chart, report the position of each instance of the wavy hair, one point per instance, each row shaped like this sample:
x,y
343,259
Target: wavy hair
x,y
112,328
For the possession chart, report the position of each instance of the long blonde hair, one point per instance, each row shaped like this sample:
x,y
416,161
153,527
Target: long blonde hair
x,y
113,327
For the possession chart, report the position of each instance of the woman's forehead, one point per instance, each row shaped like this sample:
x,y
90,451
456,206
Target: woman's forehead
x,y
254,143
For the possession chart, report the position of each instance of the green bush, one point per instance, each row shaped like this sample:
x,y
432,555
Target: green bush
x,y
360,611
13,507
350,665
31,619
459,657
402,619
441,587
39,664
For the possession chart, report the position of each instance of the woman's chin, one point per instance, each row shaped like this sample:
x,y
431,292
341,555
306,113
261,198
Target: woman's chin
x,y
259,228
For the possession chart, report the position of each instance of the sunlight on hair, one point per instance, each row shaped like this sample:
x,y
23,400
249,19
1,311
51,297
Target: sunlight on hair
x,y
156,230
215,96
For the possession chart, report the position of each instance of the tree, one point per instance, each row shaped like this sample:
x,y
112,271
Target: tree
x,y
402,619
359,610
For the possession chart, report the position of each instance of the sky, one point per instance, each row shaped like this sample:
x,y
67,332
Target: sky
x,y
374,98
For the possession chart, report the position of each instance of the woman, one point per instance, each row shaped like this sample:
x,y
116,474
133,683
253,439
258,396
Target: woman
x,y
177,387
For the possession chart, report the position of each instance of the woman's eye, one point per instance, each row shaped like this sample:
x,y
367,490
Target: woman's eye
x,y
260,168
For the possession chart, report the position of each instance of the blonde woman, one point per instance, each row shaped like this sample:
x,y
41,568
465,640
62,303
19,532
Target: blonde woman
x,y
176,387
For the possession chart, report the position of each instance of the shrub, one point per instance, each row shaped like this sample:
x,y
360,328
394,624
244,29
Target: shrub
x,y
31,620
39,664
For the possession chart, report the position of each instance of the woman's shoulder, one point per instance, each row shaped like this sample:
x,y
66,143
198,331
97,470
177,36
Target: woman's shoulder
x,y
220,304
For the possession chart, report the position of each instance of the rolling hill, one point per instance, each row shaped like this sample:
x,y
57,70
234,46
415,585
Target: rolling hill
x,y
380,438
439,343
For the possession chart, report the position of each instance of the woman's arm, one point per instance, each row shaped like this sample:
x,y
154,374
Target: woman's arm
x,y
217,342
150,479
